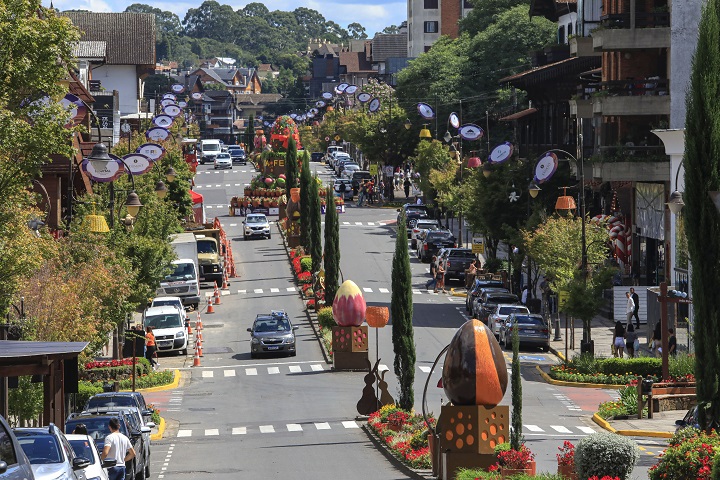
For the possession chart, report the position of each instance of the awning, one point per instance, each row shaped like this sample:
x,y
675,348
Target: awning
x,y
520,114
196,197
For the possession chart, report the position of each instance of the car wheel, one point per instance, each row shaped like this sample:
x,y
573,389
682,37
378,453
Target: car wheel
x,y
269,235
147,471
215,167
293,354
545,348
140,475
183,351
508,345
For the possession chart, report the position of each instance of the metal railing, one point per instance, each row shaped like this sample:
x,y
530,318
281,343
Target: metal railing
x,y
642,20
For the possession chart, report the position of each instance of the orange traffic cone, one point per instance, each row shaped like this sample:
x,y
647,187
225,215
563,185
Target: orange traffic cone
x,y
189,330
198,347
198,323
217,294
196,359
198,335
225,286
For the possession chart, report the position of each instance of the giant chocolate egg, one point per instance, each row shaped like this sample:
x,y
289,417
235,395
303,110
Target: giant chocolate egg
x,y
349,305
474,372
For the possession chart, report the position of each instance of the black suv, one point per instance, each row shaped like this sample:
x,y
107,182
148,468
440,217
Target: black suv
x,y
485,308
476,289
433,242
237,154
316,157
413,212
273,333
457,261
97,427
120,399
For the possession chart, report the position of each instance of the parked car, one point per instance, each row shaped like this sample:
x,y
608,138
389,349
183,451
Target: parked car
x,y
222,160
413,213
359,177
51,456
97,427
349,169
500,314
474,291
170,302
336,157
341,162
488,301
120,399
237,154
456,261
316,157
420,225
256,225
347,192
330,151
14,464
433,242
479,298
84,447
272,333
169,329
532,331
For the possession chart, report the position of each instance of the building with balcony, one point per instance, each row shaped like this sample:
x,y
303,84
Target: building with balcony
x,y
428,19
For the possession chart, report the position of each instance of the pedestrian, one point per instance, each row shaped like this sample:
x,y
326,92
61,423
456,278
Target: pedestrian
x,y
433,280
629,308
151,352
381,190
361,195
524,295
672,342
440,277
619,339
636,300
397,178
80,429
631,341
117,447
657,340
470,274
371,192
406,187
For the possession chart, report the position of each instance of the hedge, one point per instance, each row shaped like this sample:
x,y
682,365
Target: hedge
x,y
115,373
642,366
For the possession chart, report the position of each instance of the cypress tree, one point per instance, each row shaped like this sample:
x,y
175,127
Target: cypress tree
x,y
516,386
702,222
332,248
291,167
401,310
315,226
305,179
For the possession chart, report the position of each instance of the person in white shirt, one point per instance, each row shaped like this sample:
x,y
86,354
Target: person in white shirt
x,y
524,296
629,308
117,447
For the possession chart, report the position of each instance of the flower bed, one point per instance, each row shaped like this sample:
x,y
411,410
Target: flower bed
x,y
114,370
690,454
409,442
621,371
87,389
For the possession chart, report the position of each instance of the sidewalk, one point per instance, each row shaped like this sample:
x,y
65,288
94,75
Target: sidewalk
x,y
662,425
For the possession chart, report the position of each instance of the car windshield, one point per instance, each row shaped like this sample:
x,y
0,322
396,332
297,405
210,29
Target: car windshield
x,y
171,320
528,320
97,428
426,224
206,246
183,271
496,300
271,325
223,156
166,303
40,449
439,236
83,449
103,401
211,147
256,219
462,253
509,310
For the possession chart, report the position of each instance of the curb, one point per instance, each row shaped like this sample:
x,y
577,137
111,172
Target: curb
x,y
161,388
460,294
558,354
604,424
561,383
161,429
410,472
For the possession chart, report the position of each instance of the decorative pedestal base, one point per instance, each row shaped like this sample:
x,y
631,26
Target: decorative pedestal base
x,y
452,461
350,361
293,241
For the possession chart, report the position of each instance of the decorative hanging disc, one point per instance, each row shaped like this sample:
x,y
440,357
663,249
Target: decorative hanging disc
x,y
163,121
182,104
138,163
341,88
314,111
151,150
351,89
106,171
157,133
327,95
454,120
172,110
167,101
374,105
501,153
470,131
170,95
320,104
196,96
364,97
546,167
177,88
267,124
310,115
425,111
293,116
76,108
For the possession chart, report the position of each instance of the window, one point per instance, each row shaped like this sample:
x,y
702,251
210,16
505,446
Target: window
x,y
7,452
431,27
427,48
467,4
561,35
431,4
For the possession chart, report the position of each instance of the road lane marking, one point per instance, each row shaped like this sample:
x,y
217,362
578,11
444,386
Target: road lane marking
x,y
211,432
382,367
239,431
258,290
273,370
267,429
587,430
242,291
290,289
534,428
384,290
294,427
425,368
346,223
208,374
367,290
229,373
295,369
322,426
416,292
274,290
316,367
251,371
350,424
560,429
184,433
358,223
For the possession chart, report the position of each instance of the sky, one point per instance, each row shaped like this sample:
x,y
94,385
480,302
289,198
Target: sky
x,y
374,15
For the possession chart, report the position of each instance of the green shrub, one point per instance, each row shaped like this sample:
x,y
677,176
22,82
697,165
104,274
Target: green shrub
x,y
585,363
306,264
492,265
142,367
605,454
419,439
325,318
642,366
465,474
154,379
682,365
690,454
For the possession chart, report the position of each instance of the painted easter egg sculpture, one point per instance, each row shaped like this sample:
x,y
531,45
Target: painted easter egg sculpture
x,y
474,372
349,305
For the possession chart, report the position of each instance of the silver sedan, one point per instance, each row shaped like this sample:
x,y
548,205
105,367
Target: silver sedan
x,y
532,331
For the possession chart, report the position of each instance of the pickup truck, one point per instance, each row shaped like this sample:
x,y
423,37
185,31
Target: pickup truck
x,y
457,261
211,260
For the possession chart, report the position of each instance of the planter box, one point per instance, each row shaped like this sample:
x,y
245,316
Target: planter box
x,y
354,361
350,339
567,472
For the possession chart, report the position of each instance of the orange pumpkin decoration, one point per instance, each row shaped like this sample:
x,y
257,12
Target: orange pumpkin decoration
x,y
377,317
295,195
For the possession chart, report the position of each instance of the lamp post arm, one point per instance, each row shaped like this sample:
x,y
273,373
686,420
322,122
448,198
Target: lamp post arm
x,y
94,115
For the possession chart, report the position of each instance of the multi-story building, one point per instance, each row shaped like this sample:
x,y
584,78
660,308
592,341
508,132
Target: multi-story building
x,y
428,19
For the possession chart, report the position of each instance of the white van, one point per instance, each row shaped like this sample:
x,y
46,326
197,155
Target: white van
x,y
168,327
330,150
208,150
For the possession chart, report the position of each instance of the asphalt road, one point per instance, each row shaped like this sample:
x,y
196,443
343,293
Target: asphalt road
x,y
293,417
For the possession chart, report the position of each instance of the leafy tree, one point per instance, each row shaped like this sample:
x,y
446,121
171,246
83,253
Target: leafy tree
x,y
392,29
25,401
311,22
486,12
254,9
431,156
291,166
167,31
332,248
305,199
315,222
702,223
401,310
356,31
516,386
210,20
585,296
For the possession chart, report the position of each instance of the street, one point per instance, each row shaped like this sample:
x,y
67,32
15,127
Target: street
x,y
234,416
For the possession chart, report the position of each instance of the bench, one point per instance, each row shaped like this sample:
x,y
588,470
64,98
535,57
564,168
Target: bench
x,y
666,396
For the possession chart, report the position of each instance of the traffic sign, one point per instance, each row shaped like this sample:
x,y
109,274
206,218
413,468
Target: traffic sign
x,y
327,139
373,169
563,296
478,245
337,138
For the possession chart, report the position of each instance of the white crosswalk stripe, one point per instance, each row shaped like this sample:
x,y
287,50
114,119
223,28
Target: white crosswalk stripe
x,y
367,290
425,368
258,290
587,430
382,367
184,433
322,426
294,427
560,429
291,289
350,424
267,429
383,290
251,371
212,432
207,373
274,290
273,370
534,428
295,369
229,373
239,431
316,367
242,291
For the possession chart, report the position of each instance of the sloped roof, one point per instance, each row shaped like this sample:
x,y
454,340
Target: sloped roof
x,y
568,66
90,49
355,62
517,115
130,37
265,67
225,74
386,45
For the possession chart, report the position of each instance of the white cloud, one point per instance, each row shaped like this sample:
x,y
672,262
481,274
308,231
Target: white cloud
x,y
92,5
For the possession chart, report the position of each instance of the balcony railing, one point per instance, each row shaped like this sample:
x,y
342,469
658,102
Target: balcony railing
x,y
631,153
624,88
642,20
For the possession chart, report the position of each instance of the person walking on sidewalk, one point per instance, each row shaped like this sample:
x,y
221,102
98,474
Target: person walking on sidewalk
x,y
629,308
151,352
117,447
433,281
657,340
406,187
619,339
440,277
672,342
631,341
361,195
636,300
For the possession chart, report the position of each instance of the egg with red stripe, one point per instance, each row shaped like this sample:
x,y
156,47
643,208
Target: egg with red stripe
x,y
474,372
349,305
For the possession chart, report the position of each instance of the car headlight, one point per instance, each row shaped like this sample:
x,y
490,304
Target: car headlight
x,y
290,340
255,341
179,334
